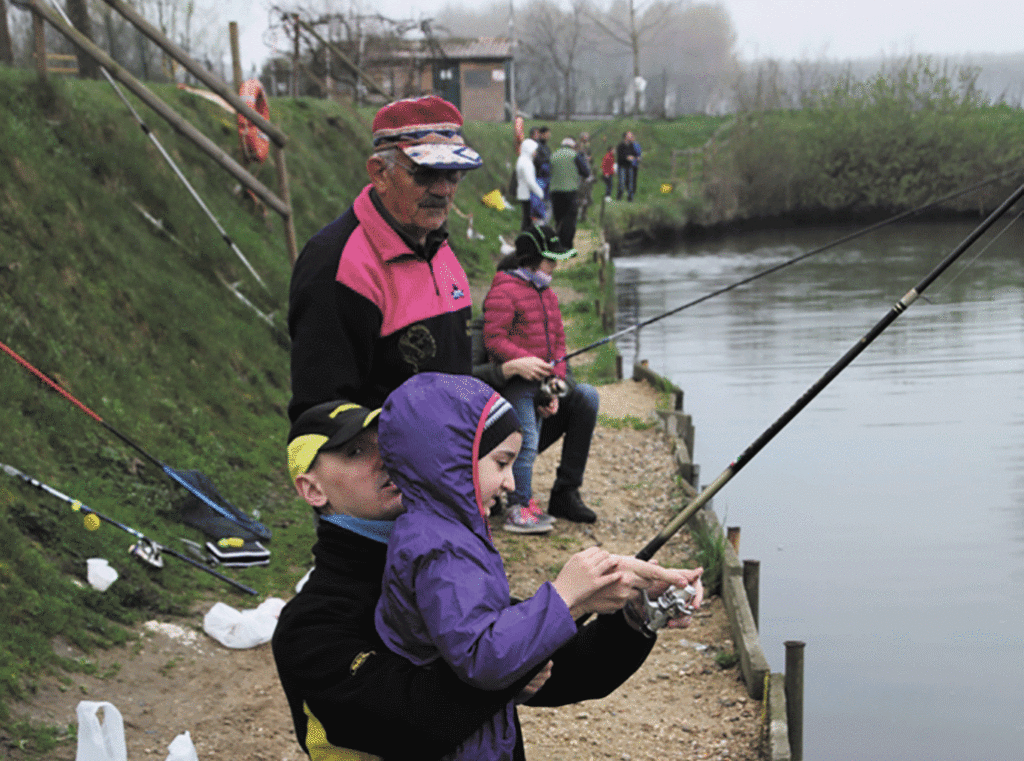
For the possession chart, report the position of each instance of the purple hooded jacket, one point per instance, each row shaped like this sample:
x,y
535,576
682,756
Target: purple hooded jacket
x,y
445,593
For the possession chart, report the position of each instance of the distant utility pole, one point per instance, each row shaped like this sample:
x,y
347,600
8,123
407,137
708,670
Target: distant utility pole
x,y
512,63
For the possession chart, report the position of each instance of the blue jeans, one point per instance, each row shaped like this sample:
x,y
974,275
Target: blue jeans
x,y
575,419
627,181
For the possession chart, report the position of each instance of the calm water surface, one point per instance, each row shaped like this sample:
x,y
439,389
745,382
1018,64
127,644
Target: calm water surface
x,y
888,516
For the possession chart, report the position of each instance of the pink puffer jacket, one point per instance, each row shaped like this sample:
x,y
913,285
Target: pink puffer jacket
x,y
521,320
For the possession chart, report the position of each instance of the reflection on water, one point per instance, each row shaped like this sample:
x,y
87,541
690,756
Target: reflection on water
x,y
888,516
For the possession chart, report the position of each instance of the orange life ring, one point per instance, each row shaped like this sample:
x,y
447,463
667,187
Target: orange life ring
x,y
255,142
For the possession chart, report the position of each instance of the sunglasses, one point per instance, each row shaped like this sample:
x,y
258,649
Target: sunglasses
x,y
425,176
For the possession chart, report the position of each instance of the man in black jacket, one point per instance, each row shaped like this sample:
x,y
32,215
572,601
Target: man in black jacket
x,y
347,692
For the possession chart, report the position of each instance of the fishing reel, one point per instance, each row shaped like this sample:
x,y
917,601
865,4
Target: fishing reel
x,y
550,387
148,552
673,603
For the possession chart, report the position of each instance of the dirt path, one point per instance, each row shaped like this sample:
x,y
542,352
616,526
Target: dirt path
x,y
680,705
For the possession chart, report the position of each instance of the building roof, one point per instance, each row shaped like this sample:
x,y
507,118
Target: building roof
x,y
482,47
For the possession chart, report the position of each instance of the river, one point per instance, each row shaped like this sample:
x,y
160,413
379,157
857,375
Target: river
x,y
888,516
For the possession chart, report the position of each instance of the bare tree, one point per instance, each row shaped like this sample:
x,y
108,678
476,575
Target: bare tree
x,y
695,50
554,38
631,23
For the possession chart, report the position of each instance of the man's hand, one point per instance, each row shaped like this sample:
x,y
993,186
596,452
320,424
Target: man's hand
x,y
535,684
530,368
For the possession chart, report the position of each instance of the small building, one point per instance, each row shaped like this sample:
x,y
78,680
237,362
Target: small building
x,y
475,75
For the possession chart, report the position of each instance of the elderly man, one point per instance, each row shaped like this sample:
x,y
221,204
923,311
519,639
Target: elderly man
x,y
378,295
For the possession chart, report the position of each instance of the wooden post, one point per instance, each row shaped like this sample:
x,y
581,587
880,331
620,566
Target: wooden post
x,y
679,401
618,367
39,36
284,189
795,698
752,586
733,535
236,55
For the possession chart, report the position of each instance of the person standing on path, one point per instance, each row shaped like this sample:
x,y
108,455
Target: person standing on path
x,y
608,171
528,192
568,167
542,163
627,155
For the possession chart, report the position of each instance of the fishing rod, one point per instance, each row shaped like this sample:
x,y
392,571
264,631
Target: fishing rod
x,y
895,311
146,549
788,262
174,167
193,481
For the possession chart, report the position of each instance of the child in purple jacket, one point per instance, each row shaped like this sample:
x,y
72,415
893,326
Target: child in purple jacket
x,y
448,442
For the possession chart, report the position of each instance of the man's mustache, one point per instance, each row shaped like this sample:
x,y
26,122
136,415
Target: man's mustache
x,y
434,203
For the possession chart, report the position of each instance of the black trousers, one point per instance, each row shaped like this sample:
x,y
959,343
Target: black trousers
x,y
563,209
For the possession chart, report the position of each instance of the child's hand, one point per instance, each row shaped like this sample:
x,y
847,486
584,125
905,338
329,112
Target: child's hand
x,y
585,574
535,684
657,579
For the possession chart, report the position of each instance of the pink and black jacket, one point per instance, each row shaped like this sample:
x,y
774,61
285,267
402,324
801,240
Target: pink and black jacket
x,y
368,309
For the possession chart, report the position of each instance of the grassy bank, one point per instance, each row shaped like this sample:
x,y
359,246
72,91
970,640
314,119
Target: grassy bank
x,y
910,133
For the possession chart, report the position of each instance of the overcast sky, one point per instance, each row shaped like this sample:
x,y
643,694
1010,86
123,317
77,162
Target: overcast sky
x,y
777,28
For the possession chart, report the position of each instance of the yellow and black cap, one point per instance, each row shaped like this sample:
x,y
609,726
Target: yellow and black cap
x,y
324,427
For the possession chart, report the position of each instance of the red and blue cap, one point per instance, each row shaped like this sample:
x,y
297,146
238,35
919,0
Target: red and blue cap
x,y
428,130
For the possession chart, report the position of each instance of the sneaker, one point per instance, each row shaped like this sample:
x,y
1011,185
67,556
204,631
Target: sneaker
x,y
569,504
543,518
521,521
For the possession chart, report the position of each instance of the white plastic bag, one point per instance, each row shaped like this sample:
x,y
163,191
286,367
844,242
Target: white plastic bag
x,y
99,574
241,630
182,749
100,741
302,582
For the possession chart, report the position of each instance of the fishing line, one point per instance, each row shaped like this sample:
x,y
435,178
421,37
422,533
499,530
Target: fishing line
x,y
761,441
788,262
970,264
147,550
